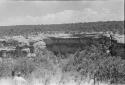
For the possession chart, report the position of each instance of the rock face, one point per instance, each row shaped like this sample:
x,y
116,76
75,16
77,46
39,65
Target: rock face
x,y
61,45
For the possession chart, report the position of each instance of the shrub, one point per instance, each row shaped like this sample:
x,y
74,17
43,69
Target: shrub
x,y
6,67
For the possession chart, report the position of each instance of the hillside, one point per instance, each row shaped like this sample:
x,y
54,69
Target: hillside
x,y
115,26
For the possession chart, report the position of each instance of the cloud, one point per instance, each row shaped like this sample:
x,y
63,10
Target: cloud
x,y
66,16
2,1
73,16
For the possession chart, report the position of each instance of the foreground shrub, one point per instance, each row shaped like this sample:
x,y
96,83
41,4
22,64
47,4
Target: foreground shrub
x,y
24,65
99,66
6,67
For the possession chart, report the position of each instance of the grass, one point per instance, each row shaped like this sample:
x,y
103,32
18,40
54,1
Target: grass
x,y
35,81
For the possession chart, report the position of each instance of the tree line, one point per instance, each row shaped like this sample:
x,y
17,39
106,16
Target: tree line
x,y
114,26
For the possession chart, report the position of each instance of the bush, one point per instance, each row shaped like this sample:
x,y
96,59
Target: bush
x,y
99,66
6,67
24,65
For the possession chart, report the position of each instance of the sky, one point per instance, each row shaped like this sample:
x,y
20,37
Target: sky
x,y
33,12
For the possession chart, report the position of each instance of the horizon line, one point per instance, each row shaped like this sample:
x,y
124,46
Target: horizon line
x,y
60,23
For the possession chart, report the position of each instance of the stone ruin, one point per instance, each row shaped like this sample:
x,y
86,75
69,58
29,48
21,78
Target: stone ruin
x,y
8,49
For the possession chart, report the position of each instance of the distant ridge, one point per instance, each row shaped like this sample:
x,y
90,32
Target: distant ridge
x,y
115,26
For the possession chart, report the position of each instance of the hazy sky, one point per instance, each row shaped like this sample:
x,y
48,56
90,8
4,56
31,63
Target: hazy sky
x,y
18,12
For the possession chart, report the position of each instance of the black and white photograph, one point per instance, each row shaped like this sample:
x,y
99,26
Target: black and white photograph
x,y
62,42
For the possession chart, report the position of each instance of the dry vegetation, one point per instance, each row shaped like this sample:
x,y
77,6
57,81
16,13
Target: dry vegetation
x,y
88,67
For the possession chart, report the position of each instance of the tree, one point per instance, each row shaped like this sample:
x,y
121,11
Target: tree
x,y
101,67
